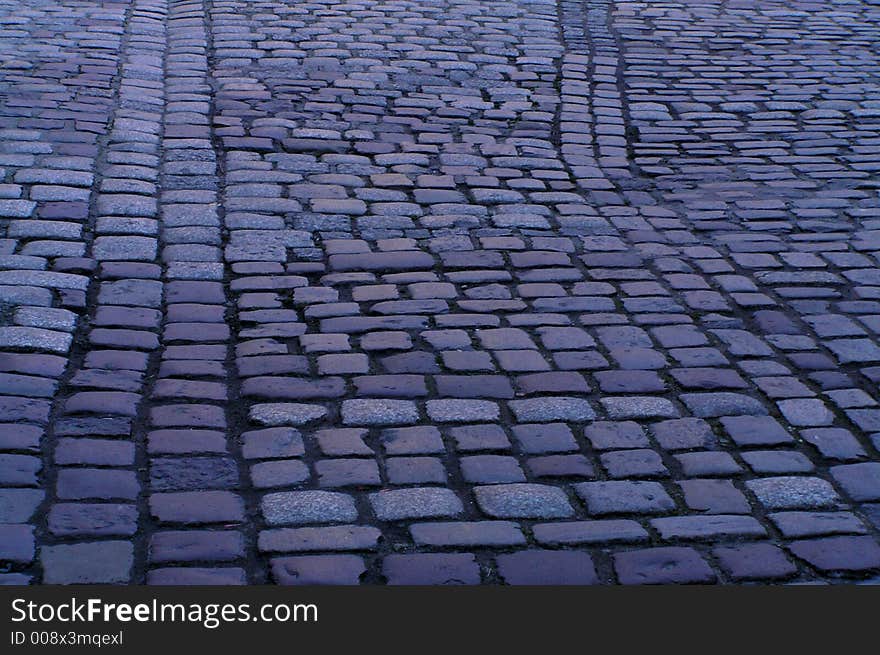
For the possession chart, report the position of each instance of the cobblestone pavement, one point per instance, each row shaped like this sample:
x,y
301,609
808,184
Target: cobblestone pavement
x,y
439,291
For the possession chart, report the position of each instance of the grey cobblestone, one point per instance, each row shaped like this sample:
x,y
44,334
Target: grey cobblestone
x,y
308,507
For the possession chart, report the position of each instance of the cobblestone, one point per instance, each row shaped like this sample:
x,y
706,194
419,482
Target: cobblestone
x,y
415,503
292,507
311,293
523,501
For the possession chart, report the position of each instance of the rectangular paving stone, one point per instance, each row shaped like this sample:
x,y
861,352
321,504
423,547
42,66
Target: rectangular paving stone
x,y
297,507
590,532
100,562
523,501
467,534
415,503
329,538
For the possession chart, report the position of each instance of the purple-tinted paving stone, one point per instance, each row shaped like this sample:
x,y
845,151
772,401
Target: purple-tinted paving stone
x,y
197,507
415,362
838,554
807,524
196,416
14,579
467,361
625,497
330,538
272,364
719,526
91,426
483,469
638,358
778,461
638,463
547,567
343,441
589,532
190,473
669,565
473,386
176,442
347,472
293,388
102,562
682,434
806,412
467,534
552,382
431,569
861,482
836,443
872,513
630,382
25,385
377,261
96,519
415,470
755,431
610,435
279,473
94,451
341,364
714,497
391,386
708,378
33,364
15,436
187,576
505,339
854,350
19,505
196,546
710,405
105,484
545,438
755,562
13,409
867,420
560,466
19,470
521,361
114,380
579,360
17,544
116,360
412,441
272,443
318,570
479,437
386,341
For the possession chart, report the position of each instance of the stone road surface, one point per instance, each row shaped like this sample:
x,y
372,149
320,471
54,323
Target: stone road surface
x,y
439,291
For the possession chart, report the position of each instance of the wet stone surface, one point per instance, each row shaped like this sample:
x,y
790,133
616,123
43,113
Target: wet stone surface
x,y
439,292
